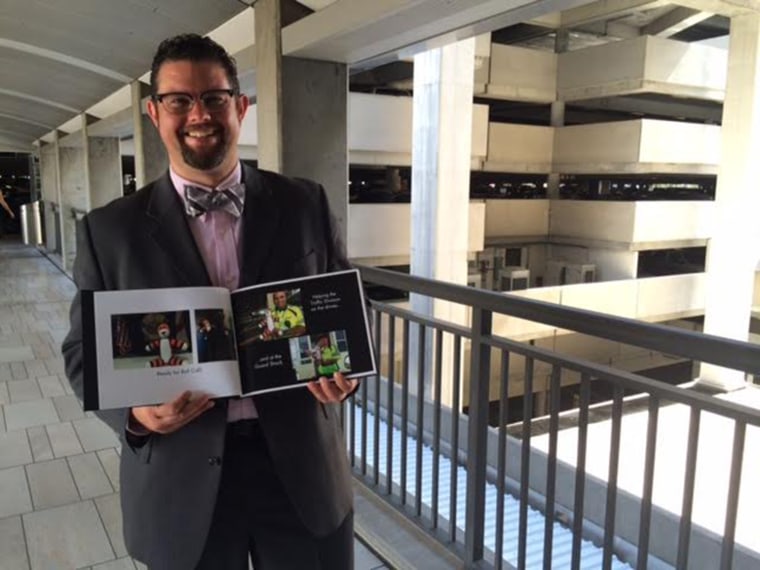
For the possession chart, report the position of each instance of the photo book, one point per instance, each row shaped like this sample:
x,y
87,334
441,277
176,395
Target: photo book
x,y
147,346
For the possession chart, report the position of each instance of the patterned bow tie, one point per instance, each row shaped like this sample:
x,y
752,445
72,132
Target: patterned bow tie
x,y
198,201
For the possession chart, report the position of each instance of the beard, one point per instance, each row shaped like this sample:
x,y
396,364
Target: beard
x,y
207,159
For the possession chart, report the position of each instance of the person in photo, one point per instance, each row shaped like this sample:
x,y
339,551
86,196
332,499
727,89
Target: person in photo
x,y
216,485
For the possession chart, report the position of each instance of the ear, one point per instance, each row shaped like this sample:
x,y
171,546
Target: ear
x,y
242,106
153,112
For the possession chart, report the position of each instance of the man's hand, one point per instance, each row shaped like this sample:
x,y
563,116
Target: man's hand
x,y
329,392
169,417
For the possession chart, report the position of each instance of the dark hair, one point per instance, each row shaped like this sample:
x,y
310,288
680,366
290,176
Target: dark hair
x,y
194,48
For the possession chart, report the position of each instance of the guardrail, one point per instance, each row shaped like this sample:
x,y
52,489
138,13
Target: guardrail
x,y
411,419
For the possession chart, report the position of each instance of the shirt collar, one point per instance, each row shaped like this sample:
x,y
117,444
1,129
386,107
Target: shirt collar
x,y
179,183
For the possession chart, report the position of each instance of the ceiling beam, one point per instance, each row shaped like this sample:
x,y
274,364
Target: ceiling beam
x,y
26,121
40,100
675,21
723,7
63,58
606,10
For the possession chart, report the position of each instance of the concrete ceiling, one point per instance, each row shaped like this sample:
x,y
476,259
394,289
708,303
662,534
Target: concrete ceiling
x,y
59,59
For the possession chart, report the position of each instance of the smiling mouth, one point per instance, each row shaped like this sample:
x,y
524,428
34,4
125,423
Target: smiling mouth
x,y
201,133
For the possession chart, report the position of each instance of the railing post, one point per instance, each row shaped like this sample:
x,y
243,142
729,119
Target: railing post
x,y
480,370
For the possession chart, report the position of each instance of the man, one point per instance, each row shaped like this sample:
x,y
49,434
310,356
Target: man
x,y
214,342
287,319
326,357
204,483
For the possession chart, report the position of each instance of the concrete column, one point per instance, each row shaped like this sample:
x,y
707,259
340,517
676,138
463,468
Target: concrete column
x,y
58,217
302,114
150,157
734,250
104,170
49,181
268,25
74,190
557,118
441,161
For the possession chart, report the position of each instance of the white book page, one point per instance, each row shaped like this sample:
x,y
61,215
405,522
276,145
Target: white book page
x,y
137,367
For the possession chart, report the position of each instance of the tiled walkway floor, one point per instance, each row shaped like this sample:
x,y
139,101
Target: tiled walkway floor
x,y
59,479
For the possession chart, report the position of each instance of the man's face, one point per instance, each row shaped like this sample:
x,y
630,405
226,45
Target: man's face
x,y
280,299
202,145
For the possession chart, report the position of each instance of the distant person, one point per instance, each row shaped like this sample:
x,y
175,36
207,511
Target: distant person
x,y
7,208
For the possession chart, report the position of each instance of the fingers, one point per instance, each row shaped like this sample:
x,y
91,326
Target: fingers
x,y
169,417
333,392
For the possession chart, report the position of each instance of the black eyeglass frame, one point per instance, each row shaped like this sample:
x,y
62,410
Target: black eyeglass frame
x,y
159,97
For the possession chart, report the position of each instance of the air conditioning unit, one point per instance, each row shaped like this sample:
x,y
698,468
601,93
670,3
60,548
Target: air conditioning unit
x,y
513,278
580,273
556,272
475,280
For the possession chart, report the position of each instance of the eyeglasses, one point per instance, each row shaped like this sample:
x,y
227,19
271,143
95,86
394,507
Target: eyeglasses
x,y
182,103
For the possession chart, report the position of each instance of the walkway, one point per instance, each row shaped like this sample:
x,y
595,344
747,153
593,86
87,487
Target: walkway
x,y
59,479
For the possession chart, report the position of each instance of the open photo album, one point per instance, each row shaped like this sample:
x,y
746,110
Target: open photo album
x,y
146,346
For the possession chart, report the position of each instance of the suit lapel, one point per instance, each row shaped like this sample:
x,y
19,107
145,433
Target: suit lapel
x,y
261,216
171,233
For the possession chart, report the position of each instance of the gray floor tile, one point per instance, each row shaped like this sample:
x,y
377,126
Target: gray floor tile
x,y
51,484
68,408
18,370
110,461
28,414
12,545
24,390
40,444
35,368
15,355
2,420
66,537
5,397
63,439
5,371
14,492
50,386
14,449
110,512
94,434
89,476
120,564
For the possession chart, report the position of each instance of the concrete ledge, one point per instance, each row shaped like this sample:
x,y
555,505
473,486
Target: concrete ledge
x,y
396,540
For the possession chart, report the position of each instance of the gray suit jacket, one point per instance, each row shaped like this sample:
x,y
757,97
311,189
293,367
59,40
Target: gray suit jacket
x,y
169,485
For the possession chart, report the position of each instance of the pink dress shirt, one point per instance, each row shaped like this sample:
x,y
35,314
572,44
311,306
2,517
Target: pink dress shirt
x,y
217,235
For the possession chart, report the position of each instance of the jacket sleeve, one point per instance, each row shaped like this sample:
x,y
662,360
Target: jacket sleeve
x,y
87,276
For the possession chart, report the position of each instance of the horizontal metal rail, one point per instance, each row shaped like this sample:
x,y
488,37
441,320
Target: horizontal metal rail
x,y
669,340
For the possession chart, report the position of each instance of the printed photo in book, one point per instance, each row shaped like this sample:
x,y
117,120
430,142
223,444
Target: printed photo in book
x,y
147,346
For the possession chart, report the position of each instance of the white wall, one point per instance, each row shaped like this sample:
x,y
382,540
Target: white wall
x,y
646,63
521,74
600,143
651,299
676,142
519,148
583,72
380,129
612,264
663,221
610,221
505,218
383,230
687,64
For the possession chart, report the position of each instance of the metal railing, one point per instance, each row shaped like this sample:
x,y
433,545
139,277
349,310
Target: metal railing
x,y
410,439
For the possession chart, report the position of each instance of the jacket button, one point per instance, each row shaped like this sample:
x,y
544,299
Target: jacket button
x,y
215,460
